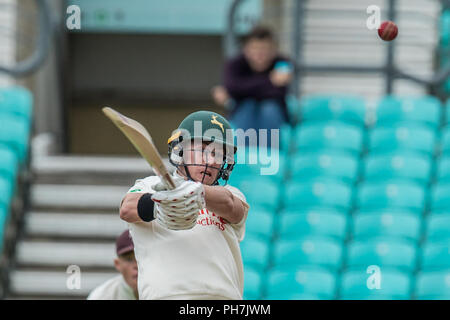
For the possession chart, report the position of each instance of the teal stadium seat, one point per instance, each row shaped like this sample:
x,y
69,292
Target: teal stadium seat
x,y
260,191
344,108
320,192
295,296
3,220
251,163
438,227
384,252
433,285
255,252
246,159
314,222
14,132
16,100
423,110
445,139
6,191
371,225
339,165
300,283
447,105
260,222
313,136
447,85
436,255
403,137
8,162
407,165
293,105
309,250
395,194
286,132
443,169
445,29
394,285
440,200
252,283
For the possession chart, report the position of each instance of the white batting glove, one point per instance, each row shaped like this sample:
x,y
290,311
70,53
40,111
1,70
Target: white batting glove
x,y
178,209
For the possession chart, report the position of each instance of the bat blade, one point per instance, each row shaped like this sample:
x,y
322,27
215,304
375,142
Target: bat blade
x,y
142,141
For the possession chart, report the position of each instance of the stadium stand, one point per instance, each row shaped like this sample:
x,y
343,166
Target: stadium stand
x,y
363,172
344,206
60,233
355,186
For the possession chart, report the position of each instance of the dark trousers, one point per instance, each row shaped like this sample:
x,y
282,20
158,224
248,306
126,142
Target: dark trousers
x,y
252,114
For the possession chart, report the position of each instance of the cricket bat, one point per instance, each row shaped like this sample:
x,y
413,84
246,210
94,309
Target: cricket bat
x,y
142,141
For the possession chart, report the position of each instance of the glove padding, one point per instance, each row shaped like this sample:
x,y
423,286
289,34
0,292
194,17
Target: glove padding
x,y
178,209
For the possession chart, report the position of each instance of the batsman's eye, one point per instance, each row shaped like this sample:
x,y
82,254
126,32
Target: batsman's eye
x,y
214,154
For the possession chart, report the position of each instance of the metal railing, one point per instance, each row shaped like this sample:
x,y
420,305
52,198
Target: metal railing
x,y
42,44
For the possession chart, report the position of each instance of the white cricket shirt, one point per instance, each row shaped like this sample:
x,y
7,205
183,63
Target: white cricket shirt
x,y
201,263
113,289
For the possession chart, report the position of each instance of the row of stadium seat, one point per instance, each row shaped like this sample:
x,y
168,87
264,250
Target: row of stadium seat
x,y
15,126
348,195
338,136
390,110
315,283
331,193
336,224
372,167
338,122
335,255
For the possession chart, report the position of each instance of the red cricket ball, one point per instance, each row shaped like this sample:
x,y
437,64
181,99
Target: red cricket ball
x,y
388,31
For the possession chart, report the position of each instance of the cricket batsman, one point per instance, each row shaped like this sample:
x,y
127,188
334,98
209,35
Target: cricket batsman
x,y
186,239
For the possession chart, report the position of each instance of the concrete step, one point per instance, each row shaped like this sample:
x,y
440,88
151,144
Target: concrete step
x,y
74,225
82,164
420,7
91,170
51,284
81,197
64,253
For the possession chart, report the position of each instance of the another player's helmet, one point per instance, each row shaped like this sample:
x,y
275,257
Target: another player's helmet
x,y
204,126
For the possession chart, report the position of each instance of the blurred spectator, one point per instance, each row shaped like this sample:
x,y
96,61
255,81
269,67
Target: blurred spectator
x,y
256,83
123,286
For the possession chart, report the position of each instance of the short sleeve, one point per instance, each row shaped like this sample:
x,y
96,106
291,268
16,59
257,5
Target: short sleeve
x,y
144,185
240,226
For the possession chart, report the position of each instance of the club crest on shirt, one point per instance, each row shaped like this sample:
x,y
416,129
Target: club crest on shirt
x,y
206,218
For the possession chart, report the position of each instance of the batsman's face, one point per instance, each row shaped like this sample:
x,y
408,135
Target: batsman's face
x,y
204,161
259,54
126,264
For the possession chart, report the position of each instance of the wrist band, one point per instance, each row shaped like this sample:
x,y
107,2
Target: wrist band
x,y
145,207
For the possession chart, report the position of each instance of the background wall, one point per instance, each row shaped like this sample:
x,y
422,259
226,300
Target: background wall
x,y
157,79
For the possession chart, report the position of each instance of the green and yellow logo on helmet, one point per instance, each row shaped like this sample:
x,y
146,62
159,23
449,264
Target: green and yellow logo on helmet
x,y
214,121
